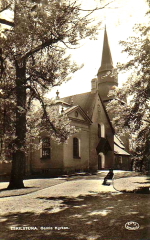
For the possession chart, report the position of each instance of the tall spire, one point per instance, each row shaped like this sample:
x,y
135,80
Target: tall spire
x,y
106,63
107,75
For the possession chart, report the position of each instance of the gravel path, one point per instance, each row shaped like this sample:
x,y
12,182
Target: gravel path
x,y
36,201
31,185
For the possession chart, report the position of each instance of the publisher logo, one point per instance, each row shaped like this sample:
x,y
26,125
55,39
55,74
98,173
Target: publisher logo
x,y
132,225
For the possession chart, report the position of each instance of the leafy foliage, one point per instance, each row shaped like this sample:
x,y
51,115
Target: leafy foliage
x,y
131,104
33,59
37,40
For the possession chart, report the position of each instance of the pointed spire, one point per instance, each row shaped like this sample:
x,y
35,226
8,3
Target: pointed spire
x,y
106,62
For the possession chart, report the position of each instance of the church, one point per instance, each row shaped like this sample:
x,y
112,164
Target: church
x,y
95,146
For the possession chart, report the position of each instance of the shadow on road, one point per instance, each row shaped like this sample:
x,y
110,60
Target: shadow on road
x,y
94,217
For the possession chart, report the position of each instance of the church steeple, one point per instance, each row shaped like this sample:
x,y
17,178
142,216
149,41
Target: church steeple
x,y
107,74
106,62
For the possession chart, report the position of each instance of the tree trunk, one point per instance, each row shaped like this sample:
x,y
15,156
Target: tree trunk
x,y
19,158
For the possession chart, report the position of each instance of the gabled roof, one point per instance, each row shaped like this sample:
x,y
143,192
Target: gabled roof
x,y
85,100
119,148
120,151
118,142
103,146
78,108
62,103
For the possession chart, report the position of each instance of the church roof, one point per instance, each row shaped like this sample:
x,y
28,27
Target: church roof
x,y
62,103
119,148
118,142
85,100
106,62
120,151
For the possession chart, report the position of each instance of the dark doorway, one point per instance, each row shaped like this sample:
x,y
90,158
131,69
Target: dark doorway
x,y
99,162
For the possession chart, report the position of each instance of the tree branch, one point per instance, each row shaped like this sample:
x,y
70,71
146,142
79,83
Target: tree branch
x,y
6,22
95,9
5,8
38,97
41,46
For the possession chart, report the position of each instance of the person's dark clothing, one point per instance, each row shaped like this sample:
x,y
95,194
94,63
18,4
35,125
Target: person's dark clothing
x,y
109,175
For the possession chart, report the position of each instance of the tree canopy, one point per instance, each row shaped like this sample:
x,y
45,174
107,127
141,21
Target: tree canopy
x,y
33,59
131,104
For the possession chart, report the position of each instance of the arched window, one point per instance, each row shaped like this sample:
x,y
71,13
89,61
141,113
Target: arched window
x,y
101,130
46,153
76,150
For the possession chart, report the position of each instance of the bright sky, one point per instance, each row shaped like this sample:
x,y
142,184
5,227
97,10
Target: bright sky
x,y
119,18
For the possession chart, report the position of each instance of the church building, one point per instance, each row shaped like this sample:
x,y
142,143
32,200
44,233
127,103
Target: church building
x,y
95,145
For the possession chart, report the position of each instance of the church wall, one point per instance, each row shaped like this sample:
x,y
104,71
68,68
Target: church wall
x,y
109,163
109,157
94,137
99,117
77,164
122,162
48,166
93,144
5,168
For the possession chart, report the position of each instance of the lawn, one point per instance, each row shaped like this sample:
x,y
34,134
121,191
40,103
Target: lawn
x,y
99,216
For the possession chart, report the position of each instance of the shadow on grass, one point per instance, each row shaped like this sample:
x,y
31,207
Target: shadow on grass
x,y
8,189
147,182
96,217
5,192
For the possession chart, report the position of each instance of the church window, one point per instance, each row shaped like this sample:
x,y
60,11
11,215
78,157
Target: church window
x,y
46,153
76,150
99,130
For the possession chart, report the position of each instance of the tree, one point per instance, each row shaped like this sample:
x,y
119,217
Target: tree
x,y
33,59
131,104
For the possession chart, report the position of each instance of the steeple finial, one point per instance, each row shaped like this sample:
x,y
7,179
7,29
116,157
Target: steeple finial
x,y
57,95
106,62
71,101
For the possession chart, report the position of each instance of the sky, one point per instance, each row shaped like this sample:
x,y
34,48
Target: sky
x,y
119,17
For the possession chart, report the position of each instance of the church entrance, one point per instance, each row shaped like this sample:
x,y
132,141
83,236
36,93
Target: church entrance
x,y
101,161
